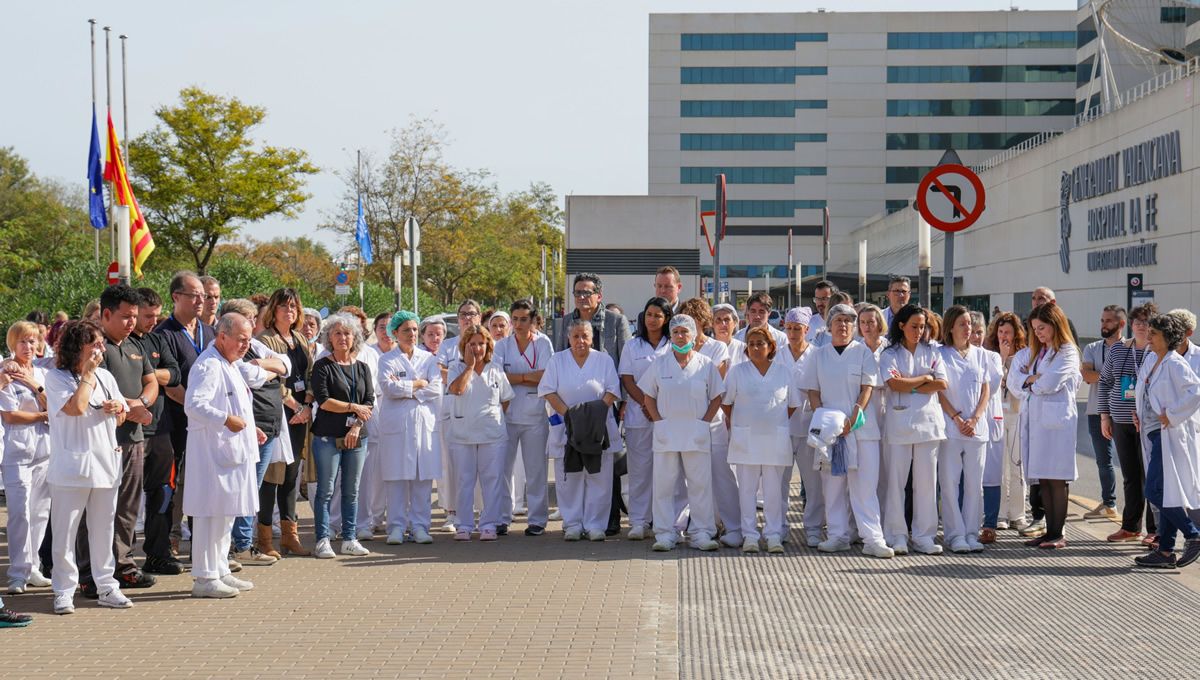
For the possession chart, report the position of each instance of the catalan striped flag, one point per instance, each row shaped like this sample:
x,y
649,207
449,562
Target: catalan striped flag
x,y
141,243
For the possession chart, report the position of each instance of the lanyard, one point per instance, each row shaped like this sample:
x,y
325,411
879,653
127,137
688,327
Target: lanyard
x,y
1137,363
198,341
352,383
533,344
1041,355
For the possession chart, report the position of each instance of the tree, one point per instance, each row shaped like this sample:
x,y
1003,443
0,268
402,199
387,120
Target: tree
x,y
200,176
300,263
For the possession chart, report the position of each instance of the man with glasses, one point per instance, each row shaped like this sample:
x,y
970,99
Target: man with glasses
x,y
212,299
822,294
899,292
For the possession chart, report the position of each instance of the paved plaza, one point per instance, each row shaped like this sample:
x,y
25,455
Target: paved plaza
x,y
543,608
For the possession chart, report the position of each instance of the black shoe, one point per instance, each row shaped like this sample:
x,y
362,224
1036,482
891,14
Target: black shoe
x,y
534,530
501,529
1156,560
166,567
1191,551
89,591
136,578
611,531
11,619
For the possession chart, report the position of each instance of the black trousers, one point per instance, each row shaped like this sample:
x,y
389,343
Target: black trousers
x,y
1133,478
158,481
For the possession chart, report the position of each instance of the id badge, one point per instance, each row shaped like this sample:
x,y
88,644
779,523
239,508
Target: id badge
x,y
1128,387
298,386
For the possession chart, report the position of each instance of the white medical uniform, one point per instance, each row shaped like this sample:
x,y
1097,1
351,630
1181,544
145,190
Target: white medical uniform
x,y
919,456
760,442
1173,389
961,457
23,464
584,499
780,336
683,441
528,429
636,357
372,499
839,378
1048,412
726,504
736,351
410,451
478,441
447,354
803,454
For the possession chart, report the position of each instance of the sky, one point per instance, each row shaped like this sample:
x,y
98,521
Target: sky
x,y
550,91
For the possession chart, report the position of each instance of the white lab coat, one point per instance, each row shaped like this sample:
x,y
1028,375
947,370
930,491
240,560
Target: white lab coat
x,y
408,444
839,378
760,434
1174,389
478,414
1048,413
220,471
636,357
576,384
682,395
995,407
966,377
83,448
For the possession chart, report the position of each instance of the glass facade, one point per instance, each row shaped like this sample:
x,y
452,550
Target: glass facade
x,y
922,141
1055,73
980,107
1172,15
981,40
758,271
745,75
689,42
906,174
758,108
746,142
896,205
764,208
744,175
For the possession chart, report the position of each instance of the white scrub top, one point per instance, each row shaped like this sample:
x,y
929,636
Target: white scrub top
x,y
840,377
526,407
802,418
760,434
875,406
29,443
576,384
897,362
636,357
736,349
780,336
966,377
476,416
682,394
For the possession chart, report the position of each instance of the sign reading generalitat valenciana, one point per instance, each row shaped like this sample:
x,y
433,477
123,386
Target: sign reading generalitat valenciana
x,y
1136,165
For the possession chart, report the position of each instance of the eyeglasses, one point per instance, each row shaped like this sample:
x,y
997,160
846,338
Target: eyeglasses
x,y
584,293
899,291
822,299
468,315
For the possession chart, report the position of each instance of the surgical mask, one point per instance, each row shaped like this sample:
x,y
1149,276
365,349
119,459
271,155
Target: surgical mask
x,y
683,349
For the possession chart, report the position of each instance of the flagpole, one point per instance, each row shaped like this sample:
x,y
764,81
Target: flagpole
x,y
92,28
123,236
112,219
358,186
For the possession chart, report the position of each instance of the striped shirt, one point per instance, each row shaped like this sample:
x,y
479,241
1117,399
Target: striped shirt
x,y
1122,362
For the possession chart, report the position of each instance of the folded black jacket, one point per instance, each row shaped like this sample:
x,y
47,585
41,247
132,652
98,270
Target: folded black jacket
x,y
587,436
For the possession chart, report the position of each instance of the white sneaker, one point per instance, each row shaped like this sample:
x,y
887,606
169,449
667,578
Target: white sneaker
x,y
235,582
929,548
813,539
636,533
213,588
1002,525
663,546
64,603
323,551
900,547
555,516
354,548
960,546
365,535
974,544
705,544
774,546
520,511
749,546
573,535
879,550
596,536
832,545
451,523
16,587
732,539
420,535
36,580
396,536
114,599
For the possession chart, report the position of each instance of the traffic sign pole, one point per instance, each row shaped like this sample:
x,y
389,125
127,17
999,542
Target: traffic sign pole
x,y
963,204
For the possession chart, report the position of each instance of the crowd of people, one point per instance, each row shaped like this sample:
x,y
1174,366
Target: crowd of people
x,y
210,423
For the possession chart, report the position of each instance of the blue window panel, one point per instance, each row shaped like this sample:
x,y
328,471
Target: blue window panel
x,y
906,174
758,108
748,175
746,142
744,75
746,41
1054,73
924,141
755,271
981,40
764,208
896,205
1172,15
979,107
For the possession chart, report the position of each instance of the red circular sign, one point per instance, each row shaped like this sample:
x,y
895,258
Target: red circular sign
x,y
932,179
113,278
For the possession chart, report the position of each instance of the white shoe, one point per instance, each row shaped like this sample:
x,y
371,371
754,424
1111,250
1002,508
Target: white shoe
x,y
396,536
114,599
732,540
974,544
573,535
365,535
596,536
520,512
705,544
235,582
421,536
1002,525
749,546
813,539
555,516
16,587
451,523
929,548
663,546
774,546
213,588
636,533
184,532
36,580
960,546
832,545
64,603
354,548
879,550
323,551
900,547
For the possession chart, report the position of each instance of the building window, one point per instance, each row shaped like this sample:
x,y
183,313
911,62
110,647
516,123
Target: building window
x,y
746,142
764,208
1172,15
979,107
765,175
759,108
746,41
1085,32
981,40
971,141
906,174
779,272
896,205
1083,74
982,74
744,75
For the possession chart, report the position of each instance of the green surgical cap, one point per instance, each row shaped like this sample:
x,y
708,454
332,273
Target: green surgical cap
x,y
399,318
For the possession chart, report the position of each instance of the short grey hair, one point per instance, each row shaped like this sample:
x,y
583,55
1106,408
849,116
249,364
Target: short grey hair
x,y
342,320
309,311
577,322
240,306
1185,316
228,323
206,279
977,319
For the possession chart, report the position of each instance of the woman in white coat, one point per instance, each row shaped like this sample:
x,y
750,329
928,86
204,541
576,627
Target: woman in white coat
x,y
577,375
682,396
964,403
1168,400
795,356
914,374
85,407
841,376
649,343
410,384
872,328
760,396
1045,377
476,433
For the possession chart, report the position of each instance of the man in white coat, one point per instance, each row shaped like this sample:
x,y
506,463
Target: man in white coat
x,y
223,443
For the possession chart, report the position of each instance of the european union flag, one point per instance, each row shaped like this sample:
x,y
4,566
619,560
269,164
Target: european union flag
x,y
361,235
95,175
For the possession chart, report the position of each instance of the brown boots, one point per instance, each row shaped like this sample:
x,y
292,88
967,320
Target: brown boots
x,y
289,542
262,540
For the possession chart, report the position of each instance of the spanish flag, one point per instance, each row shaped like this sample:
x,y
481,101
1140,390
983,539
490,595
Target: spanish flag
x,y
141,244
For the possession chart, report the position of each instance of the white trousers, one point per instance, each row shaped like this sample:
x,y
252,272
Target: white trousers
x,y
482,463
210,547
726,502
69,503
814,499
960,459
372,500
531,440
584,499
1012,482
639,457
447,484
857,491
409,504
28,499
922,460
696,469
774,500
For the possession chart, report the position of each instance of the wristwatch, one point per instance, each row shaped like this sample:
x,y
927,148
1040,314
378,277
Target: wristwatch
x,y
144,402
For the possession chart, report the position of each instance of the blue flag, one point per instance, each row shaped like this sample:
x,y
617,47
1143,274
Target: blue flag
x,y
95,175
361,235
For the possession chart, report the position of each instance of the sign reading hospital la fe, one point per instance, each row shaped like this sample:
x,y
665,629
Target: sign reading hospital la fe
x,y
1136,165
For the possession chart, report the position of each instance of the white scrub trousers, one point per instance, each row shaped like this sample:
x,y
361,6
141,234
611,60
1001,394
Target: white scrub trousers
x,y
1012,483
69,504
210,547
774,503
696,469
856,491
28,498
922,458
639,456
531,441
584,499
409,504
372,500
482,463
814,499
961,459
726,502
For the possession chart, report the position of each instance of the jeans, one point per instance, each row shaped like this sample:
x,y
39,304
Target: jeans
x,y
329,460
243,527
1103,449
1172,520
991,506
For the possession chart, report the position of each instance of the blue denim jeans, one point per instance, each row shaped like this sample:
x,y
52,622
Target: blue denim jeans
x,y
1172,520
991,506
1104,452
329,460
243,527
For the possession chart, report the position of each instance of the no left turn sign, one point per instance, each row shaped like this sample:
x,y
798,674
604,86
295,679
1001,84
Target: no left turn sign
x,y
950,197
